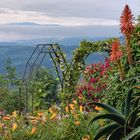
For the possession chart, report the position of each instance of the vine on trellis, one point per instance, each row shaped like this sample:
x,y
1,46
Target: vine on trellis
x,y
71,71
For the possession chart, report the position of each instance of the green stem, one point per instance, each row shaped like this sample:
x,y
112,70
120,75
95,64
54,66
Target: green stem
x,y
128,49
122,74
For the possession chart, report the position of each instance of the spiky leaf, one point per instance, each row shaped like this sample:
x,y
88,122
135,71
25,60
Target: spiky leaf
x,y
114,117
105,130
116,134
132,134
133,116
127,104
107,107
137,122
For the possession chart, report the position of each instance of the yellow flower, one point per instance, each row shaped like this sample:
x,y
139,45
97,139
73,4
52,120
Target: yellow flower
x,y
33,130
86,138
14,126
74,101
53,116
53,109
67,109
1,125
81,108
77,123
98,108
14,114
71,106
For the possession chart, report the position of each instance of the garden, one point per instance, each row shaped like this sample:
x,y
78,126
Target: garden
x,y
85,102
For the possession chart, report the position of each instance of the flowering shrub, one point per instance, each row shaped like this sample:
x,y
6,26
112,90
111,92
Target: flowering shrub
x,y
94,83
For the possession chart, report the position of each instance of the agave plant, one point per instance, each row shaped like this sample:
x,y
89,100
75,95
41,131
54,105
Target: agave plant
x,y
122,123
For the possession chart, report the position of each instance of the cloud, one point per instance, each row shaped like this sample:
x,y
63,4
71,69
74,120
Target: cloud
x,y
80,17
41,18
110,9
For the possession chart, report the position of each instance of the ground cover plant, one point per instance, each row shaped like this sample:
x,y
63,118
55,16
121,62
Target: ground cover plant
x,y
98,101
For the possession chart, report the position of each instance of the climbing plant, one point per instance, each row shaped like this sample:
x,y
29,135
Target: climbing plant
x,y
70,72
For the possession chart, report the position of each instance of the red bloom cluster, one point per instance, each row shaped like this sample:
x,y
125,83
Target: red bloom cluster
x,y
116,52
94,83
126,20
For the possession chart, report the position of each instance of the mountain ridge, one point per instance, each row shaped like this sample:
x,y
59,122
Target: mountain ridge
x,y
29,24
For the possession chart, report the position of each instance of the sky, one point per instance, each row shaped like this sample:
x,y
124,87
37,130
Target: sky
x,y
70,13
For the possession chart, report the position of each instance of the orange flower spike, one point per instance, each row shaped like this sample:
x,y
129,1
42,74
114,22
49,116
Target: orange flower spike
x,y
33,130
126,20
116,53
127,28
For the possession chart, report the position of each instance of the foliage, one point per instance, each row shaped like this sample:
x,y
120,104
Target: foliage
x,y
71,72
112,82
9,89
117,90
44,89
123,122
91,87
45,125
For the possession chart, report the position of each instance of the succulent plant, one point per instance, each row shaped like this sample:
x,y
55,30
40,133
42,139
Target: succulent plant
x,y
126,122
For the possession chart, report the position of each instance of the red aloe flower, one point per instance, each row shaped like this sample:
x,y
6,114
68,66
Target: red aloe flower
x,y
116,53
126,20
127,28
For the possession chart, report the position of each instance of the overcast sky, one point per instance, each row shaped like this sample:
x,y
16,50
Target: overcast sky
x,y
76,17
65,12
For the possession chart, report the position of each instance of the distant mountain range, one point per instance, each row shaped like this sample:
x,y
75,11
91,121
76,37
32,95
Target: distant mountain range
x,y
30,24
20,51
66,41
